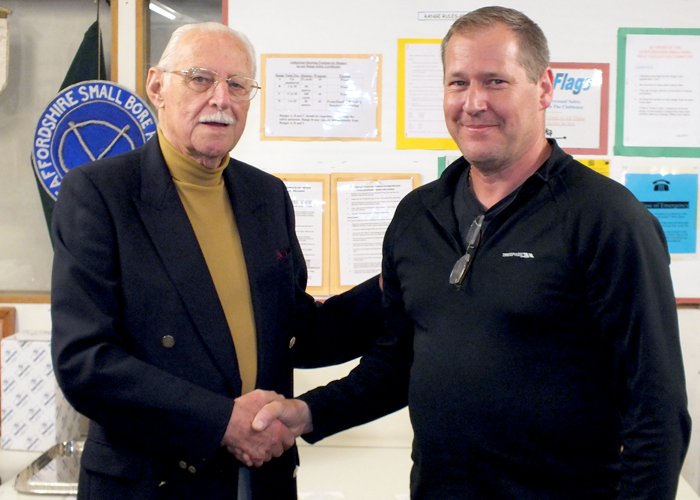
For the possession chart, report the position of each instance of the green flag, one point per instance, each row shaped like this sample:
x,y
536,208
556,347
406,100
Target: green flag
x,y
88,64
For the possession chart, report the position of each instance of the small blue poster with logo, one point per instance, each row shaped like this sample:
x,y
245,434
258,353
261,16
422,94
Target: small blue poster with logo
x,y
673,199
85,122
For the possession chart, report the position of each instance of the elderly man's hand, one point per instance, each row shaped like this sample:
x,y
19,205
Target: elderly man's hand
x,y
293,413
255,447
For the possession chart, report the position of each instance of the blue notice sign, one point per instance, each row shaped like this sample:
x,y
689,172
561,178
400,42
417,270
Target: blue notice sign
x,y
85,122
673,199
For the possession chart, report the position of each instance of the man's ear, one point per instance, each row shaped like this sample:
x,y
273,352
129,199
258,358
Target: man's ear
x,y
154,87
546,85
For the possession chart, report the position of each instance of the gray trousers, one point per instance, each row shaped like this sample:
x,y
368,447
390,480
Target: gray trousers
x,y
244,490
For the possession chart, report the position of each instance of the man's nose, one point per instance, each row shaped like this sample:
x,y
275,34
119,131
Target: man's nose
x,y
475,100
220,95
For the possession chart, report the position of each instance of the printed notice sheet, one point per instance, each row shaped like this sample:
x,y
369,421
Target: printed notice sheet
x,y
661,93
420,116
363,208
673,199
4,53
321,97
310,196
578,115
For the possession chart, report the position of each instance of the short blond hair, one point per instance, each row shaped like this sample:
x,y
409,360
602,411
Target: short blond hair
x,y
533,51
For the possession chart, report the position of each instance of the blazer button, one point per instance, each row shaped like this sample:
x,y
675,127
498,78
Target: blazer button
x,y
191,469
168,341
292,341
183,464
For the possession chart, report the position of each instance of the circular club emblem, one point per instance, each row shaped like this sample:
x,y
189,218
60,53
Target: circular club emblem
x,y
85,122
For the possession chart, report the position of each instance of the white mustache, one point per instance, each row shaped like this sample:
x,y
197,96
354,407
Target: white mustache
x,y
218,117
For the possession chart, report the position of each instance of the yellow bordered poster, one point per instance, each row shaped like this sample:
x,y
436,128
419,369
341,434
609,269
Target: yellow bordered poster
x,y
310,194
600,166
319,97
362,206
420,121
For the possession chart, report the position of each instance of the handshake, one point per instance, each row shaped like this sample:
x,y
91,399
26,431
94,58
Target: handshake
x,y
264,425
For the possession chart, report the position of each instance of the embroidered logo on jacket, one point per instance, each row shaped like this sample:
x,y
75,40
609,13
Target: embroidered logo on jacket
x,y
520,255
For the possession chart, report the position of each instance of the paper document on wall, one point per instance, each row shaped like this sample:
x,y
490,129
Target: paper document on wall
x,y
662,93
4,53
317,97
365,209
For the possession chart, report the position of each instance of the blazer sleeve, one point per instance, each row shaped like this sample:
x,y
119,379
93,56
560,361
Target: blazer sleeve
x,y
93,353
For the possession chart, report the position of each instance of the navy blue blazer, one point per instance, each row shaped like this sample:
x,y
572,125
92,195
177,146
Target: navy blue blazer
x,y
140,342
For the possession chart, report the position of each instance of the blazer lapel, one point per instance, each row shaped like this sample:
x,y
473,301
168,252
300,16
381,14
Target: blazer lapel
x,y
255,221
169,228
248,209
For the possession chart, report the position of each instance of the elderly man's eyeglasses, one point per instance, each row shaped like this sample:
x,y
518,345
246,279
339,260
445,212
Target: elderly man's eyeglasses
x,y
240,88
459,271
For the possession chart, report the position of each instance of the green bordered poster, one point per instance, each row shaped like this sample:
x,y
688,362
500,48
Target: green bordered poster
x,y
658,92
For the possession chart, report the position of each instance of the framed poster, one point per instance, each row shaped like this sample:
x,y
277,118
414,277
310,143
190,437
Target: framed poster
x,y
362,208
578,115
420,120
310,195
658,92
321,97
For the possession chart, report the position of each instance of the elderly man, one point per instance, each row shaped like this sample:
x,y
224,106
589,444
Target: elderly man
x,y
533,323
178,289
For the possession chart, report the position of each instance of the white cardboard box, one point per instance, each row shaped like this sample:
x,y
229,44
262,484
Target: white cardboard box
x,y
35,414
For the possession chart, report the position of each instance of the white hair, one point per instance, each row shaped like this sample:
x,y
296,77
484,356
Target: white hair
x,y
167,60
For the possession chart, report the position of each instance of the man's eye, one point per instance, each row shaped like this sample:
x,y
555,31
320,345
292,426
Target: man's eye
x,y
234,85
201,79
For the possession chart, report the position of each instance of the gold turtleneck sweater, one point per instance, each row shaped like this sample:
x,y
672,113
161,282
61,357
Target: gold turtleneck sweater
x,y
208,206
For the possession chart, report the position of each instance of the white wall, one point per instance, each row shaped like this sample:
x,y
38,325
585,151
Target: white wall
x,y
577,32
